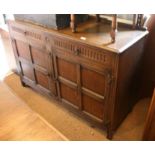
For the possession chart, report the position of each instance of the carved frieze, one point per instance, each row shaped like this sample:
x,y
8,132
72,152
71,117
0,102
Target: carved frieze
x,y
86,52
27,33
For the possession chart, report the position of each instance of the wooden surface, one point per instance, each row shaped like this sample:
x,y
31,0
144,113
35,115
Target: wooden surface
x,y
19,122
97,34
73,25
149,132
96,81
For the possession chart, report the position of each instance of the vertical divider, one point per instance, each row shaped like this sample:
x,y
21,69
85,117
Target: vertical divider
x,y
15,50
32,61
50,70
79,86
56,75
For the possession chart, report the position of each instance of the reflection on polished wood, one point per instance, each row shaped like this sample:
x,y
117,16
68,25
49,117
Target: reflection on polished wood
x,y
97,34
19,122
73,25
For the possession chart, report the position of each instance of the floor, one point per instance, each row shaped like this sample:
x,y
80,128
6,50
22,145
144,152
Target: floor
x,y
19,122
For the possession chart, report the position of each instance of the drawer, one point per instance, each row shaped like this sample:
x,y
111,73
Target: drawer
x,y
27,34
84,51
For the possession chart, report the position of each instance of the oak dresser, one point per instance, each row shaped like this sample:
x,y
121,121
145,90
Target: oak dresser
x,y
84,71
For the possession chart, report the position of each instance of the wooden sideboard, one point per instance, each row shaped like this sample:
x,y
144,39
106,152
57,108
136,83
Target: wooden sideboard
x,y
99,80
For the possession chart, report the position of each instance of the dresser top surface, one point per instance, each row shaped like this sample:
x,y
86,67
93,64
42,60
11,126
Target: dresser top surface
x,y
98,34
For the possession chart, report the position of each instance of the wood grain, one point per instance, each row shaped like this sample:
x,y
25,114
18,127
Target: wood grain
x,y
19,122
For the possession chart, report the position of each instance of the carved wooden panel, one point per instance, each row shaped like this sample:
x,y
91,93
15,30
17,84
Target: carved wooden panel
x,y
27,71
84,51
39,57
69,94
66,69
34,35
42,79
17,29
96,55
23,50
27,32
95,82
93,106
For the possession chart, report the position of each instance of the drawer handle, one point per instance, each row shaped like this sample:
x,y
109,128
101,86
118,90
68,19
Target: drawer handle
x,y
77,52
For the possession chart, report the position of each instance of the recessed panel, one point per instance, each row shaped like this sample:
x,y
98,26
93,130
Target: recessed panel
x,y
27,71
93,81
40,57
42,79
67,70
92,106
23,50
69,94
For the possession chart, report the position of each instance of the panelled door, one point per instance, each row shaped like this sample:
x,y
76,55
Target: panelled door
x,y
35,65
81,86
66,74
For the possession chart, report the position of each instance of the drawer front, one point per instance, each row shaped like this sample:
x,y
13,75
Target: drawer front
x,y
84,51
28,34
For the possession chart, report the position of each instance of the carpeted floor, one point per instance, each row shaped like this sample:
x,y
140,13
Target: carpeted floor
x,y
72,126
19,122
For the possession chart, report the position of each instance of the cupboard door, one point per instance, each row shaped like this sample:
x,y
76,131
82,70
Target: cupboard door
x,y
66,75
35,66
82,86
42,61
94,91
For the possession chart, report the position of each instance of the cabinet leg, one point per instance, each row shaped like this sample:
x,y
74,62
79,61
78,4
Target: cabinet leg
x,y
110,132
23,84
